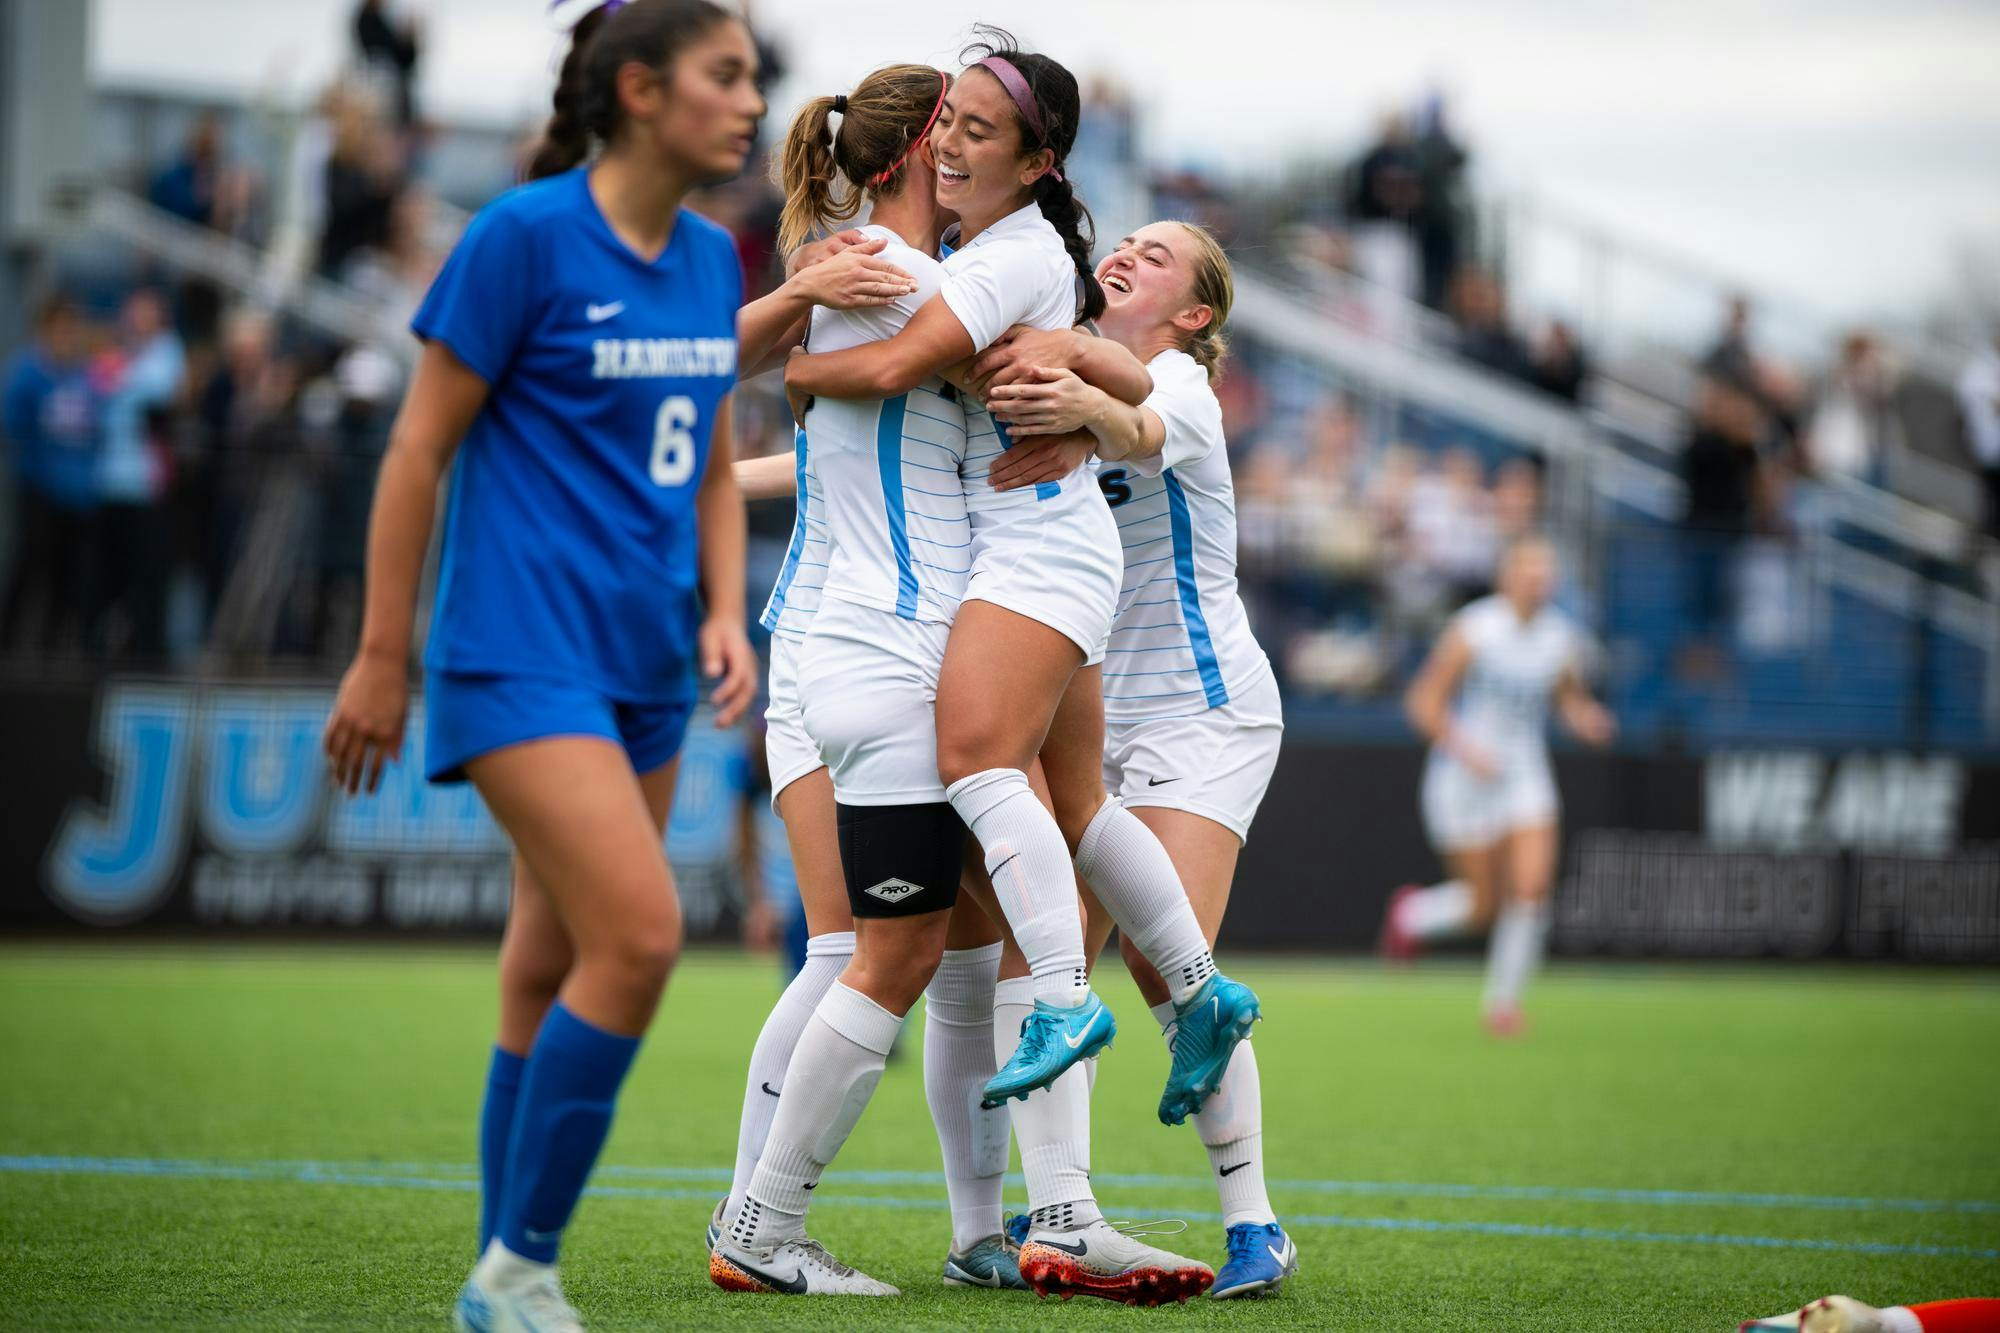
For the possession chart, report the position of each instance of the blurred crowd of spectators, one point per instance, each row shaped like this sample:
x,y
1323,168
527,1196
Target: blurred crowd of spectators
x,y
193,476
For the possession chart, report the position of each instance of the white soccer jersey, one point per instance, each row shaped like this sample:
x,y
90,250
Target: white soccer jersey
x,y
1047,552
1181,642
888,471
795,595
1503,702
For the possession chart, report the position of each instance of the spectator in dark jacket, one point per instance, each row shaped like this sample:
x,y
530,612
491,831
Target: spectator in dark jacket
x,y
392,47
1480,308
1722,468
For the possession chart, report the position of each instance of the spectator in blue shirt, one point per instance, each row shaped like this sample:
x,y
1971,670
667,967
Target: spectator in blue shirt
x,y
132,474
50,418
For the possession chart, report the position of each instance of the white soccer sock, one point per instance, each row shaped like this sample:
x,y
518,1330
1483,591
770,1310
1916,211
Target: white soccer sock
x,y
834,1070
1439,912
1135,880
1029,865
1901,1319
1052,1125
826,959
1231,1125
958,1061
1519,936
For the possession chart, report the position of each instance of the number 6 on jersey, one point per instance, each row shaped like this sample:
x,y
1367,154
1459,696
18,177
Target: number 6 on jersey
x,y
673,442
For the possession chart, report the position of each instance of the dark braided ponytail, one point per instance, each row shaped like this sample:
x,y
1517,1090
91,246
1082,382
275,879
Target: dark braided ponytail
x,y
1060,104
648,32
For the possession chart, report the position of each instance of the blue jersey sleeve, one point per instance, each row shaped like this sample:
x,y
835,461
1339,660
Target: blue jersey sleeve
x,y
482,304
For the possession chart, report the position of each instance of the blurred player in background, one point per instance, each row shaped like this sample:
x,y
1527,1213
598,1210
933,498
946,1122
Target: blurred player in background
x,y
581,342
1192,709
1489,796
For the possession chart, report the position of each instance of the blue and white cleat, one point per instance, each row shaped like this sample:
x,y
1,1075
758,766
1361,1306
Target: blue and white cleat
x,y
1207,1030
990,1263
1052,1040
1261,1257
509,1294
1017,1230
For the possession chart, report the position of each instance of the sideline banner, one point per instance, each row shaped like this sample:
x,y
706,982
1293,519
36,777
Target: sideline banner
x,y
164,804
143,805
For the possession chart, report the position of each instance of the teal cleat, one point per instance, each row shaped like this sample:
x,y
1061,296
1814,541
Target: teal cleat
x,y
1052,1040
990,1263
1209,1026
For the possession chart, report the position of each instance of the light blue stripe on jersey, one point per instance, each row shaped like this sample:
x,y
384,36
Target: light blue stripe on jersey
x,y
1044,490
889,461
774,609
1197,624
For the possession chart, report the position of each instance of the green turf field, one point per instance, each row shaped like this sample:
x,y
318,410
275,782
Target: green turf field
x,y
211,1137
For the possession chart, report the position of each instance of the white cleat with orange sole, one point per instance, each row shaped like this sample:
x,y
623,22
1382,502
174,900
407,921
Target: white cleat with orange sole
x,y
1113,1263
799,1267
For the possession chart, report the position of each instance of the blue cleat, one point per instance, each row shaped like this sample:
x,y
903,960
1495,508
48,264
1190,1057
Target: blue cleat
x,y
1052,1040
1208,1027
1017,1230
1261,1257
990,1263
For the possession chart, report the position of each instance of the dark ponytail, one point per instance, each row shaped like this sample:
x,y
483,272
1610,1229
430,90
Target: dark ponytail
x,y
565,140
1066,213
605,40
1060,105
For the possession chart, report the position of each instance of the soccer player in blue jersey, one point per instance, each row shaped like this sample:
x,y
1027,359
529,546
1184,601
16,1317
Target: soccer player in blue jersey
x,y
581,344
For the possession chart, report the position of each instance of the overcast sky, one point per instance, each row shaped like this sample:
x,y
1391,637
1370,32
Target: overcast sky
x,y
1835,150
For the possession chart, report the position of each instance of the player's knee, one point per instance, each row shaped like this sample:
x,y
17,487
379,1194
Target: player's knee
x,y
974,740
642,953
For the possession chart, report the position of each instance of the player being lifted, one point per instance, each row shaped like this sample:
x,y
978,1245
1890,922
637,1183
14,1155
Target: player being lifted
x,y
1489,797
1193,718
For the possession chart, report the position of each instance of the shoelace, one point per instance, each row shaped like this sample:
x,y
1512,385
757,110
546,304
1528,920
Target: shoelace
x,y
819,1255
1035,1034
1243,1241
1162,1226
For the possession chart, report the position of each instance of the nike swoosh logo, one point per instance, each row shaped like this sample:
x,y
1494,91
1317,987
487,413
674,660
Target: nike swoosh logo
x,y
540,1237
791,1286
990,1280
597,314
768,1088
813,1186
1081,1248
1227,1169
1160,782
1277,1254
1079,1039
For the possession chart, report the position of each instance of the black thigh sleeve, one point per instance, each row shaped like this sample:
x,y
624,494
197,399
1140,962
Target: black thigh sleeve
x,y
901,860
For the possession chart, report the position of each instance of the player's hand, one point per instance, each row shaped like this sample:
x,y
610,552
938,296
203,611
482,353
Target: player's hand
x,y
1042,458
1593,723
761,930
728,659
1020,347
854,279
822,250
1046,400
366,729
797,399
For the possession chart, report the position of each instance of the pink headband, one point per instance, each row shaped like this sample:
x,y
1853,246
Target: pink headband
x,y
1017,88
924,134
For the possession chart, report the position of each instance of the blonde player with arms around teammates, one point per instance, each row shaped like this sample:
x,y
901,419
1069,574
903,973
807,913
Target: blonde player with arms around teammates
x,y
1489,794
885,491
579,353
1193,717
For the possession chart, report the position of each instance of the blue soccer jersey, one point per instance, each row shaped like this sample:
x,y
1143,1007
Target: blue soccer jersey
x,y
570,546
